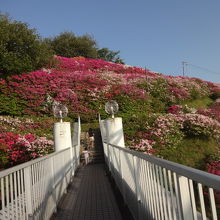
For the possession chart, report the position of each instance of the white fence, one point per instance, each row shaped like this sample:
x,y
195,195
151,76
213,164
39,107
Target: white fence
x,y
33,189
158,189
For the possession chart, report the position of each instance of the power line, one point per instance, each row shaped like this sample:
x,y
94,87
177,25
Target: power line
x,y
202,68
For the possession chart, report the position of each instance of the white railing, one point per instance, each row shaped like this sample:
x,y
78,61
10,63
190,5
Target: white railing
x,y
33,189
154,188
158,189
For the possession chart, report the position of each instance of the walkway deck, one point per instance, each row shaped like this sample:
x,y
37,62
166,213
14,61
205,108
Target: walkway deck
x,y
89,197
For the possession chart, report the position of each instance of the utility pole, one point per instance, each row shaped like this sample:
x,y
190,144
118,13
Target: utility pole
x,y
184,65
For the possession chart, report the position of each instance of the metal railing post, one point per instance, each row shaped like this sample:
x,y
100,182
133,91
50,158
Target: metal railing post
x,y
54,196
185,199
109,157
64,174
135,168
28,192
166,189
122,174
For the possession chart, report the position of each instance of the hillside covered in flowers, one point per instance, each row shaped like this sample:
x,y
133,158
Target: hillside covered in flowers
x,y
177,118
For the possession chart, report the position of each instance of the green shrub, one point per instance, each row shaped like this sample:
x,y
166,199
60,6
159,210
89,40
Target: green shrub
x,y
21,49
215,95
11,106
66,44
159,89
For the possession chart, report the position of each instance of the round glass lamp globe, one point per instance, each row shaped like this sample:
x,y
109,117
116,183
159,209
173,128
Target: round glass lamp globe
x,y
111,107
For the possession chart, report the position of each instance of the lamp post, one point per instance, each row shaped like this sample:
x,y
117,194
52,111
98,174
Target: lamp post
x,y
60,111
62,131
114,127
111,107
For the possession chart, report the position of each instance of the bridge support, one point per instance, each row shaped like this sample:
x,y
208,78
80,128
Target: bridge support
x,y
62,136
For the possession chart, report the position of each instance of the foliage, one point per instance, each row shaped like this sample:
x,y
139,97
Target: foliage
x,y
191,152
216,94
21,49
200,103
162,115
109,55
167,131
41,127
23,139
79,90
16,148
67,44
200,125
10,105
144,145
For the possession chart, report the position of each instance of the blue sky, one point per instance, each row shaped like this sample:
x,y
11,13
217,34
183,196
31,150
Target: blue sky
x,y
156,34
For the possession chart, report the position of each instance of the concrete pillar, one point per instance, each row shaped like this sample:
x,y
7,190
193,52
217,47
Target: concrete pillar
x,y
62,136
75,134
103,130
114,129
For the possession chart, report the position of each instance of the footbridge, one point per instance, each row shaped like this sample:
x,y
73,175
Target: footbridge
x,y
125,185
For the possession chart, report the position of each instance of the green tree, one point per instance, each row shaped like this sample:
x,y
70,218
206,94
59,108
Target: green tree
x,y
21,49
109,55
67,44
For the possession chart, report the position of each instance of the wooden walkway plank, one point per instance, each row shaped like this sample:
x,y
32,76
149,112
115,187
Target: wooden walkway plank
x,y
89,197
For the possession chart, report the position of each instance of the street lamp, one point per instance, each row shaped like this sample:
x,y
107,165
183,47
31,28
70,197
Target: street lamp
x,y
60,111
111,107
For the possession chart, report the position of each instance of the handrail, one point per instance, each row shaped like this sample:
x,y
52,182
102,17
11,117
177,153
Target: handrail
x,y
157,189
29,163
203,177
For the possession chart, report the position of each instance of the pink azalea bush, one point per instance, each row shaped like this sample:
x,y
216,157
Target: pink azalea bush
x,y
200,125
23,125
144,145
213,111
19,140
78,81
84,85
168,130
16,148
175,109
214,167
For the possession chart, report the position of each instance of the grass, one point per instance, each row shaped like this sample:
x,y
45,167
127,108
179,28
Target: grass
x,y
201,103
192,152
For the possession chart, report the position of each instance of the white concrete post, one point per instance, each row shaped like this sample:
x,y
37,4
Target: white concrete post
x,y
102,124
75,144
103,130
75,134
62,136
115,132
